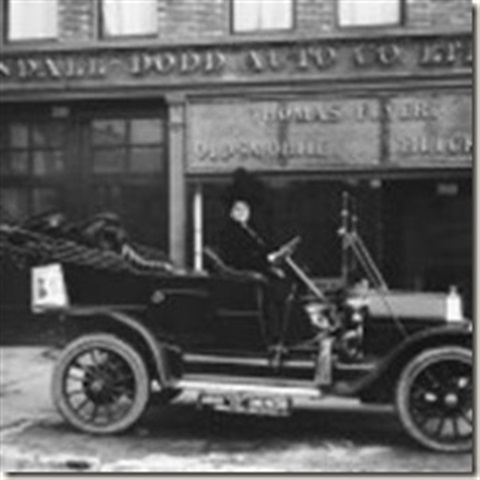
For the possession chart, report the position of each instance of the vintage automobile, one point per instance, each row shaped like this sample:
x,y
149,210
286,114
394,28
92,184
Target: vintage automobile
x,y
140,334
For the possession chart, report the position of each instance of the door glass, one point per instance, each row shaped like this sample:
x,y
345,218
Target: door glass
x,y
147,131
109,132
109,160
128,175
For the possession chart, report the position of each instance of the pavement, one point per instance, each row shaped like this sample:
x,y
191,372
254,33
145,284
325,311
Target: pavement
x,y
333,436
24,385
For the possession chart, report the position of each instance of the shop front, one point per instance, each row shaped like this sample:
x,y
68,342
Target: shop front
x,y
405,156
85,158
154,133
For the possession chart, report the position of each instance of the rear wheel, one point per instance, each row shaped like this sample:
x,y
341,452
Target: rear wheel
x,y
100,384
434,399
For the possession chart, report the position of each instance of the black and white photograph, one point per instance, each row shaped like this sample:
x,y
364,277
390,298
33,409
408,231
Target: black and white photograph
x,y
237,237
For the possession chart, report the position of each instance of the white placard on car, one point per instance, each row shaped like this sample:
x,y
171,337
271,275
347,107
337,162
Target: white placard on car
x,y
48,288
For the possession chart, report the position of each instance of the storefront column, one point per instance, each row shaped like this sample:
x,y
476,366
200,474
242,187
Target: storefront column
x,y
176,179
198,228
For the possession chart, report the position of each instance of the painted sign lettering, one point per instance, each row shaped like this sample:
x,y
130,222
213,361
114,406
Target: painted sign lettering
x,y
331,59
428,129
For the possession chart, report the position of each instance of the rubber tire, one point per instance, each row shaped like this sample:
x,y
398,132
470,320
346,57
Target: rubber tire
x,y
408,374
129,355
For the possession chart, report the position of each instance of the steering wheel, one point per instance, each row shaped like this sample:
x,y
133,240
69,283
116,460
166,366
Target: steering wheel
x,y
284,251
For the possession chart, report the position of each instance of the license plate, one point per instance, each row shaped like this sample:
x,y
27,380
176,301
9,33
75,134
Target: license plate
x,y
247,404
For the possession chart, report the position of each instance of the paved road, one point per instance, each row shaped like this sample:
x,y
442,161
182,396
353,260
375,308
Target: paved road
x,y
331,437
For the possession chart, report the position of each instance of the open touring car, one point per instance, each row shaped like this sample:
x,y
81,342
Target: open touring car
x,y
134,334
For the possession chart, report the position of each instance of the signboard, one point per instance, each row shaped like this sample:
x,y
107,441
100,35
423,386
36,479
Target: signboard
x,y
259,61
440,132
283,135
48,288
427,129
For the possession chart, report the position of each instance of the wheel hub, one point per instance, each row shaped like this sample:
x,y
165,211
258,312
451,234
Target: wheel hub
x,y
451,400
99,389
97,385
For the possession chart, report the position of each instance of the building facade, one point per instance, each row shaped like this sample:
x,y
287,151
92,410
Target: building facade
x,y
146,107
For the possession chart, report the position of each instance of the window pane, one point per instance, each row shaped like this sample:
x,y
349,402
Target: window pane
x,y
44,200
32,19
146,131
369,12
109,132
109,160
3,137
18,135
14,162
129,17
47,135
146,159
47,162
250,15
14,204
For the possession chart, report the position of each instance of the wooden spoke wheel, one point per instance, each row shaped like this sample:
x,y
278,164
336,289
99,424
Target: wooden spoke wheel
x,y
100,384
434,399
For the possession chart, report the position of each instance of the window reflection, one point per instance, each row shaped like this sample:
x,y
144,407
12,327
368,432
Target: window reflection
x,y
146,131
146,159
128,145
109,160
109,132
47,162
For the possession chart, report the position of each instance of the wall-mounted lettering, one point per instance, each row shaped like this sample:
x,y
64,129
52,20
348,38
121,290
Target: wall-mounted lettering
x,y
439,132
428,129
53,68
427,145
445,53
184,63
343,59
374,55
272,135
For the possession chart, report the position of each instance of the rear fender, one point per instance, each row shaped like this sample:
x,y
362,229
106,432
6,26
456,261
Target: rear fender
x,y
379,385
162,358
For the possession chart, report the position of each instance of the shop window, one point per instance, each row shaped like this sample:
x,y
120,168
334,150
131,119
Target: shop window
x,y
13,205
30,152
364,13
18,203
32,20
32,149
128,145
128,17
259,15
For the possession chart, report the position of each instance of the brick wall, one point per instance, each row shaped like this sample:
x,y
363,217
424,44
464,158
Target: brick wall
x,y
77,20
184,20
448,14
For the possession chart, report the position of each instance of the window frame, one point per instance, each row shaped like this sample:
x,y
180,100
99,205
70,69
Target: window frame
x,y
5,20
29,150
128,146
268,31
28,183
103,36
400,23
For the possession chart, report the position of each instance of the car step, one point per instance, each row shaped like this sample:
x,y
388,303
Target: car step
x,y
262,386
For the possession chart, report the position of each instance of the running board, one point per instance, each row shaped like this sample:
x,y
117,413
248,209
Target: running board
x,y
236,387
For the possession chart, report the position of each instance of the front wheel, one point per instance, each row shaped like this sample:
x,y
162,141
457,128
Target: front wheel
x,y
100,384
434,399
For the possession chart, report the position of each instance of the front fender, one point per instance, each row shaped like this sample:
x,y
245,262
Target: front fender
x,y
158,353
379,385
